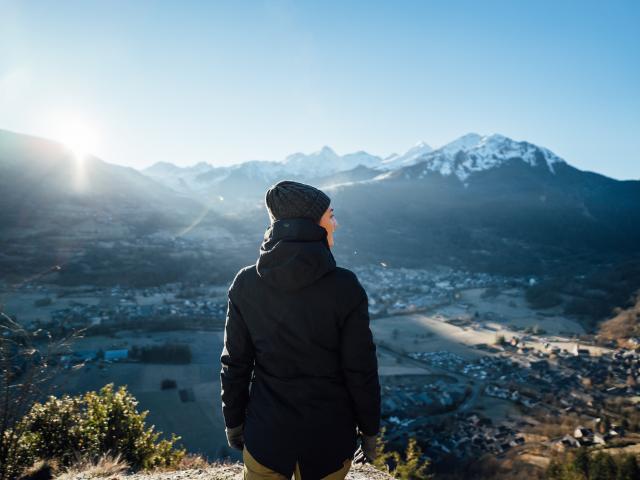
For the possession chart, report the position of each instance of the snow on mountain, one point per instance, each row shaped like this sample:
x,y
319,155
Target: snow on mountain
x,y
408,158
167,168
180,179
474,153
262,170
462,157
326,161
465,142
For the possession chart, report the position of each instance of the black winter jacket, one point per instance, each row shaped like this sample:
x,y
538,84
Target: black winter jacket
x,y
299,365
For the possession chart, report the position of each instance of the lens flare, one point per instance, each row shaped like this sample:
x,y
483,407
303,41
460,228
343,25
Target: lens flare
x,y
81,137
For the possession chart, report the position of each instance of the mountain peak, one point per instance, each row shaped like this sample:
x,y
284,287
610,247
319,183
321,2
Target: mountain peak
x,y
464,142
410,157
327,150
161,168
472,153
326,161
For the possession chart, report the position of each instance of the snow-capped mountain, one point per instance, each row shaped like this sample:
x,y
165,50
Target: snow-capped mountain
x,y
326,162
408,158
491,202
465,142
241,186
203,178
182,179
469,154
473,153
488,202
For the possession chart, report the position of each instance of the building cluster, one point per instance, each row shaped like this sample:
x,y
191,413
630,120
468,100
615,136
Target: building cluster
x,y
125,309
421,399
471,435
525,375
462,435
583,436
569,380
83,356
399,290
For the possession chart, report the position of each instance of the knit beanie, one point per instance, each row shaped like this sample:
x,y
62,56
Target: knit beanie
x,y
289,199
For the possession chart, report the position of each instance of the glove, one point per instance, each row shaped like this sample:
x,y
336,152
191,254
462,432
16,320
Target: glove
x,y
235,436
367,450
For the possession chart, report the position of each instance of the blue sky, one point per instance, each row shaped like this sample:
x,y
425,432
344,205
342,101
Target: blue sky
x,y
224,82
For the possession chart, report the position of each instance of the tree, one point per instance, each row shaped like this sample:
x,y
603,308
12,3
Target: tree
x,y
602,467
628,468
412,467
555,470
580,463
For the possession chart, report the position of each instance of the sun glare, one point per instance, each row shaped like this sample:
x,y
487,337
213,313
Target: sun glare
x,y
76,133
80,136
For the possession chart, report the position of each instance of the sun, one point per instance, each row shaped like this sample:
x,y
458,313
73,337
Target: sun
x,y
77,133
81,137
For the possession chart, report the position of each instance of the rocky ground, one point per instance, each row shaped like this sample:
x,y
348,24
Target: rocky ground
x,y
220,471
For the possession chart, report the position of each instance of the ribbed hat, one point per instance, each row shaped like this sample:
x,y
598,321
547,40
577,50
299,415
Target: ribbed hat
x,y
289,199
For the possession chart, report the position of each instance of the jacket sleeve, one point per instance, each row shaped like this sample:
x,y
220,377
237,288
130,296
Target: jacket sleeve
x,y
360,366
237,361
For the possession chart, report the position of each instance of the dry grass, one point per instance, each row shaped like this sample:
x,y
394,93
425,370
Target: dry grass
x,y
41,470
104,466
554,426
624,325
189,461
194,467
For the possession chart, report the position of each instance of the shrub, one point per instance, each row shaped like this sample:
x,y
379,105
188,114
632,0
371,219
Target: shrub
x,y
28,364
94,424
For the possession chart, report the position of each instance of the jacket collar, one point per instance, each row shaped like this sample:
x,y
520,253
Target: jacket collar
x,y
294,254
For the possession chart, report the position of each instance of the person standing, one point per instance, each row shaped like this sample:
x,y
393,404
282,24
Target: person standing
x,y
299,377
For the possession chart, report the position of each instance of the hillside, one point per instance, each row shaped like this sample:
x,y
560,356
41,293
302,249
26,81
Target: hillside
x,y
624,327
486,202
42,181
519,213
103,223
482,203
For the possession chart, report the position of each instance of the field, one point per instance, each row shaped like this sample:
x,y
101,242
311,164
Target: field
x,y
198,419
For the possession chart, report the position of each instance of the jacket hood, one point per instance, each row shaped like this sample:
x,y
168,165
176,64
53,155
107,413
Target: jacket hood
x,y
294,254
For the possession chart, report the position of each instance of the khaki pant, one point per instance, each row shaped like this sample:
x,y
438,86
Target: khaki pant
x,y
255,471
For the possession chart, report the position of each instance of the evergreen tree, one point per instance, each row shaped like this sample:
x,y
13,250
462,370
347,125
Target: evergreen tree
x,y
602,467
555,470
580,464
628,468
412,468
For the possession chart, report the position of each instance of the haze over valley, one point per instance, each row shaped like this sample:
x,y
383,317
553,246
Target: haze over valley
x,y
498,274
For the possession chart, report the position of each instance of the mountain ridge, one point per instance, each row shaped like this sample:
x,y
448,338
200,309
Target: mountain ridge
x,y
463,157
